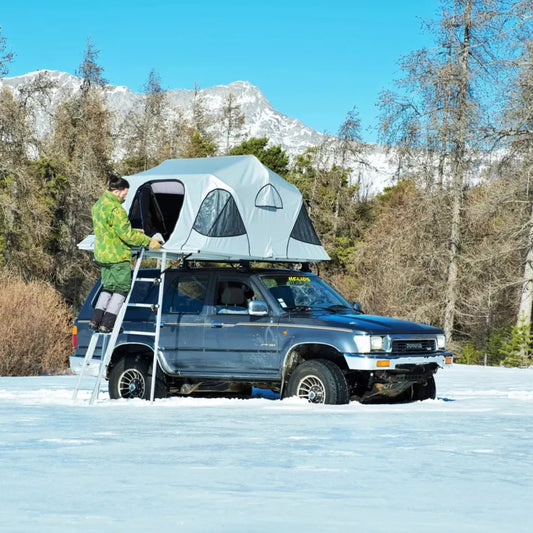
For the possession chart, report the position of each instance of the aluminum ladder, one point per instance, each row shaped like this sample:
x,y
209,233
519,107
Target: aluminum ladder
x,y
109,340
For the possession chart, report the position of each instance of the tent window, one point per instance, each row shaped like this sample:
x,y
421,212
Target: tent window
x,y
303,228
218,216
157,206
268,196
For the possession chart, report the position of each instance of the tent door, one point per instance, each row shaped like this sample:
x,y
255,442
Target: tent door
x,y
157,206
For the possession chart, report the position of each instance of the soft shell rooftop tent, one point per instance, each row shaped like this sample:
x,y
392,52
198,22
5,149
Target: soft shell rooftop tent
x,y
222,208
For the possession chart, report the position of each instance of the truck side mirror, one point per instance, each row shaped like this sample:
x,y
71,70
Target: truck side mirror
x,y
257,308
358,308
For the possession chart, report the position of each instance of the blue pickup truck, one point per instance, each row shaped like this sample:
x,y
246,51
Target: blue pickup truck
x,y
226,330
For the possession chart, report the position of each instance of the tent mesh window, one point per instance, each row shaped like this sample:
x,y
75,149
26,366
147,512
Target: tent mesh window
x,y
269,197
303,229
157,206
219,216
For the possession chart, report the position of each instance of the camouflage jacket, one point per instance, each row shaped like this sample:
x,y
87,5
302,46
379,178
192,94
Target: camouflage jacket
x,y
113,233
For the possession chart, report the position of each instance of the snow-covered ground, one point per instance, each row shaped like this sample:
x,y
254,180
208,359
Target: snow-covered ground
x,y
463,462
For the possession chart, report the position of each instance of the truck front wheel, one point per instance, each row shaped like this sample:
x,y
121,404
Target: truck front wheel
x,y
319,381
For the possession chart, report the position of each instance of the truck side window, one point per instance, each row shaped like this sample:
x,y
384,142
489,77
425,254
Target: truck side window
x,y
187,294
233,297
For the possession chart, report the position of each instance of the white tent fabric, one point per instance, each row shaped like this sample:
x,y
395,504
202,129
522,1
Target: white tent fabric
x,y
228,208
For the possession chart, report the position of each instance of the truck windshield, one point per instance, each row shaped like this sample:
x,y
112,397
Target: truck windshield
x,y
302,291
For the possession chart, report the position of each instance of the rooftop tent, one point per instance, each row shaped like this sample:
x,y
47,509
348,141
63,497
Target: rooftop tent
x,y
222,208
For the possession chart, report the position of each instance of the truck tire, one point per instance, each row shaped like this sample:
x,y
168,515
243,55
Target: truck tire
x,y
424,391
319,381
131,377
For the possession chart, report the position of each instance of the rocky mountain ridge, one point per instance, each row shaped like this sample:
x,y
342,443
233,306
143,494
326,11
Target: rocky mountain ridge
x,y
261,119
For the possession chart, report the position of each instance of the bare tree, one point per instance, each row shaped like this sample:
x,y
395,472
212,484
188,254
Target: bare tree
x,y
451,96
199,141
89,70
348,154
146,129
35,97
5,56
15,130
81,146
24,202
232,120
201,121
518,136
459,163
36,93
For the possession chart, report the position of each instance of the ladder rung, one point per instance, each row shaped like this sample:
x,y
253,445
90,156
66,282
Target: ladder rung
x,y
150,280
135,332
151,306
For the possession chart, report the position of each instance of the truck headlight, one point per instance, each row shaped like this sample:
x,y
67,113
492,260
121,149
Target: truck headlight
x,y
441,342
376,343
380,343
372,343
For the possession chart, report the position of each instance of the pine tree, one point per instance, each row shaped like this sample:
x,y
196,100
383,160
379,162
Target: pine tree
x,y
199,146
273,157
518,349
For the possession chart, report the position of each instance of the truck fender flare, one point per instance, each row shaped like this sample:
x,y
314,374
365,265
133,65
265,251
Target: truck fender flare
x,y
292,358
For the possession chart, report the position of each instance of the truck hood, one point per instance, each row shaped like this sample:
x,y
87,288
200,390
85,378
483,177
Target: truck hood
x,y
373,324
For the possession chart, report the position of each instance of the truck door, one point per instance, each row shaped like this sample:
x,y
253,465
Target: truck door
x,y
237,343
184,312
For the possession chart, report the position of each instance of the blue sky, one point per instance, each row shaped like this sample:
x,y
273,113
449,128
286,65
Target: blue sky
x,y
313,61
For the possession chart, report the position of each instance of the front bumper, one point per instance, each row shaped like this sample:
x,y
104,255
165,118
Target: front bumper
x,y
357,361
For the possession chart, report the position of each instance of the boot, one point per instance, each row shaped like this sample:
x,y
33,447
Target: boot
x,y
107,323
99,309
112,310
94,323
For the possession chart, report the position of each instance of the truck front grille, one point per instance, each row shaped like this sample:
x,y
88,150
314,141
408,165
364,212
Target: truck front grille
x,y
413,346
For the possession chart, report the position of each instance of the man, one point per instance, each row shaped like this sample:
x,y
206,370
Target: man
x,y
114,238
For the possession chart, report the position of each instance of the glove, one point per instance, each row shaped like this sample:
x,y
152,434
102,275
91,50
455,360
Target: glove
x,y
154,244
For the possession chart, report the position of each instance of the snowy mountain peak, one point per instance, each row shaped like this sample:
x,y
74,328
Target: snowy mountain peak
x,y
261,119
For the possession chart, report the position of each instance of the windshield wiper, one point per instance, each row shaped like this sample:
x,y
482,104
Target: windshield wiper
x,y
335,307
298,308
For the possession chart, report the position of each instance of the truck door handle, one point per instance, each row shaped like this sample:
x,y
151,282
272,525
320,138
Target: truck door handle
x,y
216,324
